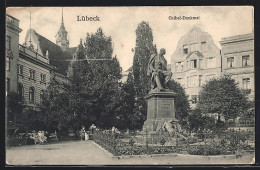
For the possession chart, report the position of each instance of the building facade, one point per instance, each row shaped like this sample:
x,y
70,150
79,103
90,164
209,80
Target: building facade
x,y
238,61
195,61
30,67
11,52
33,75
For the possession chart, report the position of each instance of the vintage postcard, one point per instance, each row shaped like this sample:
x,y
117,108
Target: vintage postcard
x,y
139,85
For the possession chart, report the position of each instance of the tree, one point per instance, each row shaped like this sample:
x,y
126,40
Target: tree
x,y
92,96
14,108
222,96
128,113
143,50
55,111
94,89
198,122
182,107
103,82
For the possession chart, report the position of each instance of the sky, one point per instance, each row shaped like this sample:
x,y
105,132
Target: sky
x,y
121,22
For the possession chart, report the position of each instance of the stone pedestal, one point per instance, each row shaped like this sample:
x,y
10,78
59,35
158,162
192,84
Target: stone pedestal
x,y
160,108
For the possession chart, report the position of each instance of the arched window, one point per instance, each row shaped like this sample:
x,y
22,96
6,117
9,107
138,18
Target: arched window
x,y
20,91
31,94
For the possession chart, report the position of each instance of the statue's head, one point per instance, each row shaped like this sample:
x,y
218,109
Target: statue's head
x,y
162,51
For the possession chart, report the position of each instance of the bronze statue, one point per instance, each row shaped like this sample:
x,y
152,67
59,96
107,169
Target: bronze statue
x,y
157,70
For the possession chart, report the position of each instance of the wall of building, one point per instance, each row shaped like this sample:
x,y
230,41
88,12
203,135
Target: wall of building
x,y
199,46
27,82
12,31
237,47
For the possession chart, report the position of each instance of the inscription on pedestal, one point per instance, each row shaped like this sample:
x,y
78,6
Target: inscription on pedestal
x,y
165,108
160,107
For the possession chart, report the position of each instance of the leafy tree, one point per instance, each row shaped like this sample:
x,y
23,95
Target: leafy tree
x,y
14,107
143,50
222,96
182,107
32,121
105,76
55,110
93,94
198,122
128,112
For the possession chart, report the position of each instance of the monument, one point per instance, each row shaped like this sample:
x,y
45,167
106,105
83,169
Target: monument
x,y
160,100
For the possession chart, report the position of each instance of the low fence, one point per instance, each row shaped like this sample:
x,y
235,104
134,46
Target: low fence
x,y
207,143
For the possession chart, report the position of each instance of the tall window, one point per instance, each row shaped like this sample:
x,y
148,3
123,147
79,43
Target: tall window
x,y
20,69
188,81
20,91
200,80
8,43
185,49
203,46
193,64
8,86
31,95
43,78
245,60
7,65
230,62
41,96
179,66
32,74
246,83
193,81
211,62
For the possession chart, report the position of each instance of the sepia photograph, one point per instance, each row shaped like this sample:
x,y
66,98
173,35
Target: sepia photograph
x,y
130,85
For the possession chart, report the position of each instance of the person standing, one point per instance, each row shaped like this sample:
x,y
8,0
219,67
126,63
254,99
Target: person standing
x,y
82,133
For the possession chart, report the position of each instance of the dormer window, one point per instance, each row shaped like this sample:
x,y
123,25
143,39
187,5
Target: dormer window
x,y
193,64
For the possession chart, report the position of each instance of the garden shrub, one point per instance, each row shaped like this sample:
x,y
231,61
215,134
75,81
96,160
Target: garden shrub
x,y
125,148
210,150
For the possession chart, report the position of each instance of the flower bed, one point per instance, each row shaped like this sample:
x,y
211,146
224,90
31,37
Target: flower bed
x,y
16,141
127,148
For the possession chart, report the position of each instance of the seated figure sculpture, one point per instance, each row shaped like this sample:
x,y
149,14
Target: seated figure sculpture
x,y
157,70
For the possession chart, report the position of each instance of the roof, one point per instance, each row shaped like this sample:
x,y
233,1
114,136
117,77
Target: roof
x,y
248,36
196,53
59,59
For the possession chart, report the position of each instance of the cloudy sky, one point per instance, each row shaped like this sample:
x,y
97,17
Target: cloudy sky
x,y
121,22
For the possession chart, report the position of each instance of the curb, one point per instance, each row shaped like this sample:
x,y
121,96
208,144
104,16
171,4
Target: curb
x,y
165,155
110,154
210,157
143,156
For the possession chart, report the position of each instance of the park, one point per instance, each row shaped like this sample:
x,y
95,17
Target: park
x,y
98,120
